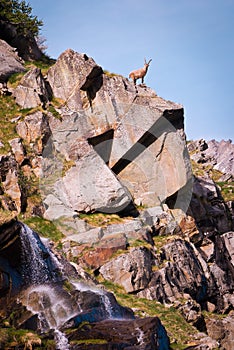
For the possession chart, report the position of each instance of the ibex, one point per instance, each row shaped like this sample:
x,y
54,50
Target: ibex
x,y
140,73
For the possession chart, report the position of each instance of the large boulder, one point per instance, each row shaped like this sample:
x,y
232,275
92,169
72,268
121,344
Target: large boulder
x,y
10,62
34,130
73,73
139,334
87,186
132,136
32,90
131,270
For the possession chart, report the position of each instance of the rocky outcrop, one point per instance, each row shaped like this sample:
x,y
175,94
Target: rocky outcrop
x,y
218,154
31,91
10,62
178,271
207,206
11,197
103,144
34,130
124,138
132,270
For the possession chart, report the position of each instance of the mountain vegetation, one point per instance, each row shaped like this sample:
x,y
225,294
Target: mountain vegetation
x,y
20,14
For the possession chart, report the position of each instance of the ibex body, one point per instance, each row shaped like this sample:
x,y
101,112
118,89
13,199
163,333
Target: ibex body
x,y
140,73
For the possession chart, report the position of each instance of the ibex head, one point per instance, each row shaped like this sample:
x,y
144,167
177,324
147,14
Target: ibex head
x,y
147,64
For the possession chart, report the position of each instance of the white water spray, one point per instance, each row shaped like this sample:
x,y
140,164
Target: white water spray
x,y
38,263
53,311
104,296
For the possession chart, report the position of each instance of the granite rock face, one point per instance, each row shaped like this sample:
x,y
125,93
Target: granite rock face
x,y
211,213
11,197
219,154
130,134
10,62
32,90
180,270
34,130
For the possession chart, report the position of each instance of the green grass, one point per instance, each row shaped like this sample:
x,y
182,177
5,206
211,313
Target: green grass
x,y
42,226
15,78
110,74
227,190
11,338
8,111
101,219
180,332
44,64
201,170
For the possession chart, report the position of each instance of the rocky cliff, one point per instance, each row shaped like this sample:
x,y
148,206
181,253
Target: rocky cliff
x,y
104,164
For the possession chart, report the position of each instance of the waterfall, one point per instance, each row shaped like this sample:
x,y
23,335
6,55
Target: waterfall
x,y
140,336
53,308
39,270
45,295
38,264
104,296
61,340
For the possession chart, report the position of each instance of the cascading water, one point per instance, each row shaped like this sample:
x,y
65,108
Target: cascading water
x,y
40,269
53,310
38,266
140,337
104,296
46,297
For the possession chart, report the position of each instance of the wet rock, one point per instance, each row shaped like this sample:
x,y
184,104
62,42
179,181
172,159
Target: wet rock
x,y
140,334
9,256
10,62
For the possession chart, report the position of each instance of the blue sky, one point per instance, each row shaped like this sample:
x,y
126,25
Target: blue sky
x,y
191,43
